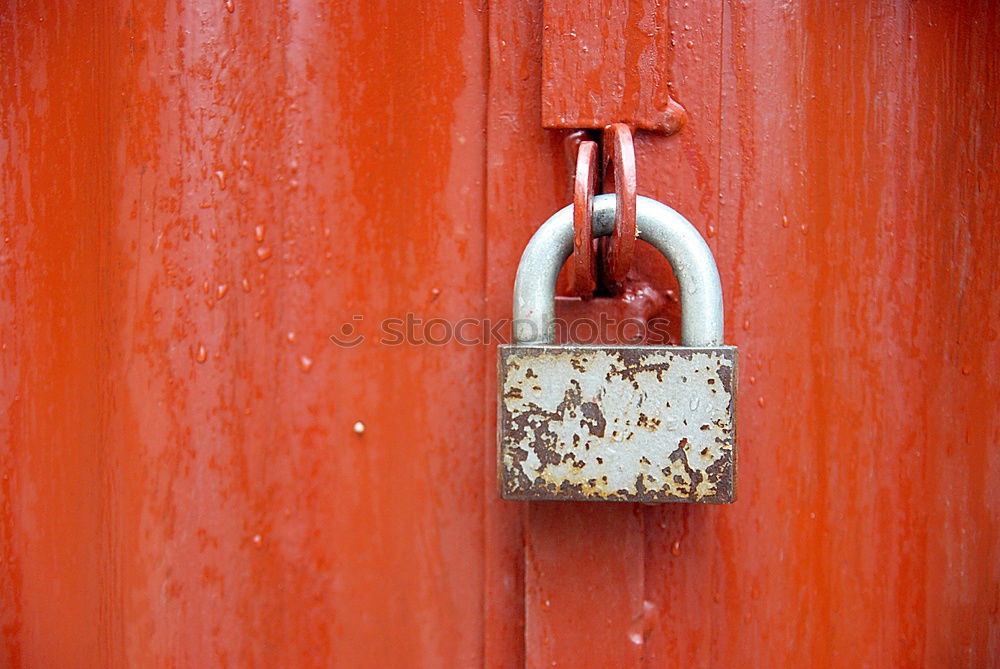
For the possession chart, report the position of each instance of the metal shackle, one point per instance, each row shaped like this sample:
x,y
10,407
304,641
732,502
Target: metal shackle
x,y
657,224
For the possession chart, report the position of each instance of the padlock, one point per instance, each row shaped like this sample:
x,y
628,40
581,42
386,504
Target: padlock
x,y
619,423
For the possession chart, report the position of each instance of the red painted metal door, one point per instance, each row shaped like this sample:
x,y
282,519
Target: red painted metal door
x,y
197,194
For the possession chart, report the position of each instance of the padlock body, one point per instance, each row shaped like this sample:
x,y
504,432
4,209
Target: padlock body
x,y
623,423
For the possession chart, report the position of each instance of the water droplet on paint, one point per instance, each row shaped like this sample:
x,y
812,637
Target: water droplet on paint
x,y
202,354
305,363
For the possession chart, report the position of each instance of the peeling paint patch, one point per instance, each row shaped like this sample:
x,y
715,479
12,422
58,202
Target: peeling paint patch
x,y
626,423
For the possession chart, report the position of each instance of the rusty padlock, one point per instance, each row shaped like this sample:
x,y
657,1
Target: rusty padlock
x,y
620,423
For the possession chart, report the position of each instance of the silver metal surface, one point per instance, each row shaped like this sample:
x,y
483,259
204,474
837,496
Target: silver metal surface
x,y
656,223
625,423
639,424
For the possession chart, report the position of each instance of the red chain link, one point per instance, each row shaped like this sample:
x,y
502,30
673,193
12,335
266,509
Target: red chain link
x,y
619,164
583,268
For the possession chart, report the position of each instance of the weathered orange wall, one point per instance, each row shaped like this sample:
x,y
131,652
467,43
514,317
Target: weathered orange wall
x,y
195,194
